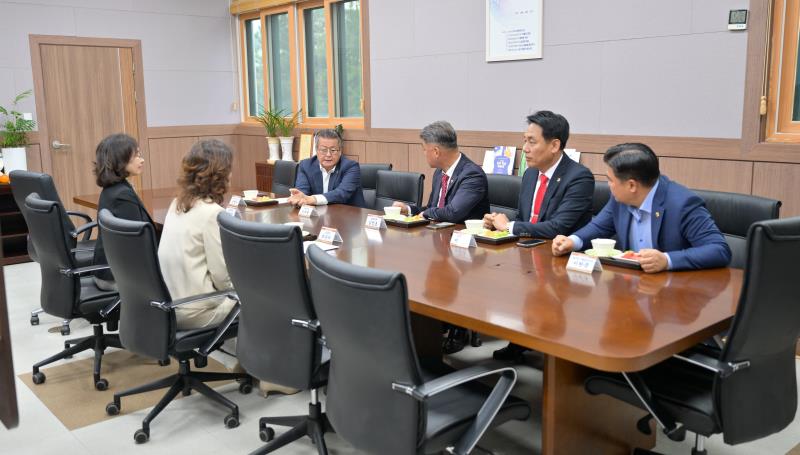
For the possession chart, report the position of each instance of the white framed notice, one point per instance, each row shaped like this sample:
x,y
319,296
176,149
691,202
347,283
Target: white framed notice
x,y
513,30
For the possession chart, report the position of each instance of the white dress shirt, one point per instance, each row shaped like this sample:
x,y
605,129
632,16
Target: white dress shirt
x,y
326,180
549,174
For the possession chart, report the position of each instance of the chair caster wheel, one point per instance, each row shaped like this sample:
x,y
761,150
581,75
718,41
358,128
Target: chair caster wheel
x,y
112,409
66,346
38,378
475,340
141,436
266,434
231,421
187,392
101,384
65,331
200,362
163,363
35,320
245,388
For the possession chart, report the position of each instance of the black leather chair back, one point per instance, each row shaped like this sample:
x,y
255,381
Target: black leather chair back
x,y
734,213
600,197
24,183
267,269
132,253
283,176
762,399
504,194
59,292
364,315
398,186
369,180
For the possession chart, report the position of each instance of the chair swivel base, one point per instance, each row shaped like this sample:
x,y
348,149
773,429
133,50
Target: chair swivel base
x,y
184,381
314,425
99,341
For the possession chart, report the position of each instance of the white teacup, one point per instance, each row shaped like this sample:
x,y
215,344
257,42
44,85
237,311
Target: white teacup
x,y
250,194
603,247
474,226
392,212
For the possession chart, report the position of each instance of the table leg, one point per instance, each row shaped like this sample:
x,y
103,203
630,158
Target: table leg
x,y
575,422
427,333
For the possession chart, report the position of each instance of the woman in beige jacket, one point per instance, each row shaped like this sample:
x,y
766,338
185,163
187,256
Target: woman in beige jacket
x,y
190,251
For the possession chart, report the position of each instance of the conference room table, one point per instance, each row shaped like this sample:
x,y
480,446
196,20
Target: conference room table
x,y
616,320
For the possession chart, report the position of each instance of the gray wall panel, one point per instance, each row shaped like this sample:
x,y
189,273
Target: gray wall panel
x,y
197,98
448,26
391,26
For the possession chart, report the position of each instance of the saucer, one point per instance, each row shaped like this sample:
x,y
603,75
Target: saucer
x,y
593,253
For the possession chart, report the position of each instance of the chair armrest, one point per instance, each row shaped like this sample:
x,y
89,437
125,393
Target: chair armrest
x,y
81,271
87,228
107,310
312,324
222,328
487,412
79,215
169,306
671,428
710,363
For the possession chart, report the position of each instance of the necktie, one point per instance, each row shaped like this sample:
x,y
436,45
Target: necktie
x,y
445,178
537,204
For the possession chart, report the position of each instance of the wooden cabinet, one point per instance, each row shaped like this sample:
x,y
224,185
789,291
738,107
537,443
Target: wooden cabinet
x,y
264,175
13,230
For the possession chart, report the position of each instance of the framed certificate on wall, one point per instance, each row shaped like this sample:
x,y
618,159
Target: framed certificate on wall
x,y
513,30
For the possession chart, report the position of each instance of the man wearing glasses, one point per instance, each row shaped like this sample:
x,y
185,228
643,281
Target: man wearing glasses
x,y
328,177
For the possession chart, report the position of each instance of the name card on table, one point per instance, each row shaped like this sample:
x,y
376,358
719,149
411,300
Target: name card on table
x,y
329,235
308,211
375,222
462,239
235,201
233,211
580,262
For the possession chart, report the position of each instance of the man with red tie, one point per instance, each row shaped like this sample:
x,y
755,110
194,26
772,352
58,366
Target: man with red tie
x,y
460,188
556,194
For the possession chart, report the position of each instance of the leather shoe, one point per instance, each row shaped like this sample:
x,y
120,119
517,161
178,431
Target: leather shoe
x,y
512,352
456,339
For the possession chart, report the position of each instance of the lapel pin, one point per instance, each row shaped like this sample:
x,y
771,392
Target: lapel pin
x,y
558,179
658,214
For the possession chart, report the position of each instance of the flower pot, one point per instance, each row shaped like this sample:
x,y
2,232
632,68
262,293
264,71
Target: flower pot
x,y
286,147
274,148
14,158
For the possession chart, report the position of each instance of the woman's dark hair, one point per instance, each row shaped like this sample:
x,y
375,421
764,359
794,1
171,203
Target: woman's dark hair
x,y
206,171
633,161
112,155
554,126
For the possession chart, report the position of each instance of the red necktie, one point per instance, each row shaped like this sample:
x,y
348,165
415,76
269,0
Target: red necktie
x,y
537,204
442,195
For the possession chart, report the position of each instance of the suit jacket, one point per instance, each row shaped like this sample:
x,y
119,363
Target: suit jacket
x,y
121,200
567,203
344,186
681,225
467,194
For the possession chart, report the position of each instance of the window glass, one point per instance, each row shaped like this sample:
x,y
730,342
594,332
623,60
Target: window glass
x,y
280,88
316,63
255,66
347,58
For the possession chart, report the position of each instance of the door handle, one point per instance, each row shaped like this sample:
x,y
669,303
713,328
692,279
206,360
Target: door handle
x,y
58,145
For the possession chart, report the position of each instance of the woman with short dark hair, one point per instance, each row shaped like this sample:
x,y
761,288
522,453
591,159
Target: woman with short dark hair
x,y
117,157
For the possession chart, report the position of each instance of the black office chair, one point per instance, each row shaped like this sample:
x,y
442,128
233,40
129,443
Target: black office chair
x,y
147,321
283,176
734,213
68,291
504,194
748,390
379,399
279,338
369,180
600,197
398,186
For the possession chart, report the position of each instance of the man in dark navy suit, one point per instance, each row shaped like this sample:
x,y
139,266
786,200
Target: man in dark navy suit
x,y
666,223
556,193
460,188
328,177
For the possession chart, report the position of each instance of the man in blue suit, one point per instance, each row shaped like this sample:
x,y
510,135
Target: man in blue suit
x,y
556,194
667,224
460,188
328,177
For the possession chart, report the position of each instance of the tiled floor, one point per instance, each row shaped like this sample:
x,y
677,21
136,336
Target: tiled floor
x,y
194,424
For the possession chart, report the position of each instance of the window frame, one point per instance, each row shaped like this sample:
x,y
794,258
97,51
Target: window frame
x,y
783,54
243,50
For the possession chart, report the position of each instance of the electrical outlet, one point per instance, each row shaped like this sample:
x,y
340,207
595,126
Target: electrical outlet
x,y
234,106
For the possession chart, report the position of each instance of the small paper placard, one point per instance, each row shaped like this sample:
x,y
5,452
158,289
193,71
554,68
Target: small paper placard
x,y
462,239
580,262
375,222
235,201
573,154
308,211
232,211
329,235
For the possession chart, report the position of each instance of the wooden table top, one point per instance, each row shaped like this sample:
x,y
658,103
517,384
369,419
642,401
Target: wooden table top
x,y
615,320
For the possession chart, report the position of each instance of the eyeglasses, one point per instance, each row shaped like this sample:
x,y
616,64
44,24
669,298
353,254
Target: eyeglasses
x,y
328,151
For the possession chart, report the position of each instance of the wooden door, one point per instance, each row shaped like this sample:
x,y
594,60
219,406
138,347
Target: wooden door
x,y
89,93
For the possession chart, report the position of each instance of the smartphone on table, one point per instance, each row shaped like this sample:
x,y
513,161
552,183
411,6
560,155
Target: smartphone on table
x,y
530,243
440,225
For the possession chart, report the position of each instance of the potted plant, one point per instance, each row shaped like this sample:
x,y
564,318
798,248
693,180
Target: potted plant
x,y
269,119
286,126
15,138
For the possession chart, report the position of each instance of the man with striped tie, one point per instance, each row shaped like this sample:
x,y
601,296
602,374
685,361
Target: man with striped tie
x,y
556,193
